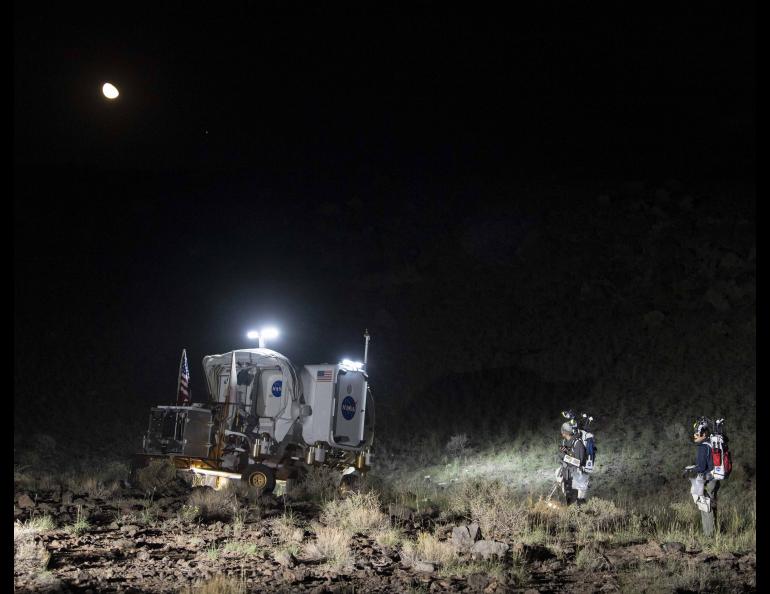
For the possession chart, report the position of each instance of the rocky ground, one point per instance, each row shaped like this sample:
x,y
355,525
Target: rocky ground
x,y
115,552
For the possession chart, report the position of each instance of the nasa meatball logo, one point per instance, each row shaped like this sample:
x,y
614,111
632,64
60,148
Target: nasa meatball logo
x,y
276,389
348,408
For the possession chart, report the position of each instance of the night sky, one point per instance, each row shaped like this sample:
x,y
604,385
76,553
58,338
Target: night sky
x,y
265,166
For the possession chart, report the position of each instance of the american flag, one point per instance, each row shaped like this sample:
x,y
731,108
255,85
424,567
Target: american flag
x,y
324,375
183,391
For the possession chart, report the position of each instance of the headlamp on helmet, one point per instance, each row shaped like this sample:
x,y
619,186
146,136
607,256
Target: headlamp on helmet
x,y
701,426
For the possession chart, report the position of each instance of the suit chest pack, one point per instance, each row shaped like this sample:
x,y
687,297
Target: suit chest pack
x,y
571,460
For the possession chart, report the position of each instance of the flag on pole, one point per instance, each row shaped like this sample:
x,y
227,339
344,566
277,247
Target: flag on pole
x,y
183,388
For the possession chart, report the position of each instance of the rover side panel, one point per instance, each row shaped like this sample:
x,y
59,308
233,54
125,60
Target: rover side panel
x,y
349,409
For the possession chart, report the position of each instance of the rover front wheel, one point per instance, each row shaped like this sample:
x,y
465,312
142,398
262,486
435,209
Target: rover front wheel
x,y
259,477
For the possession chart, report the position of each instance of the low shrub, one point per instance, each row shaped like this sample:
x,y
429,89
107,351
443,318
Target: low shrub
x,y
457,445
81,523
35,525
674,575
388,537
189,513
359,512
331,544
28,555
220,584
598,515
213,505
319,483
432,550
241,548
157,475
286,529
496,509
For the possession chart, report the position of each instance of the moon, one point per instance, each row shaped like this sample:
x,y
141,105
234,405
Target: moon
x,y
110,91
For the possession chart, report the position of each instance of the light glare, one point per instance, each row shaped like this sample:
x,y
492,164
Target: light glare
x,y
252,334
269,333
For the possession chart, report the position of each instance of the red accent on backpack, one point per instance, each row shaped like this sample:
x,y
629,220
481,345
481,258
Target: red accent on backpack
x,y
722,459
727,462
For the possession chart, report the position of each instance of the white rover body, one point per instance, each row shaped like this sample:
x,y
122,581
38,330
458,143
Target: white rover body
x,y
273,423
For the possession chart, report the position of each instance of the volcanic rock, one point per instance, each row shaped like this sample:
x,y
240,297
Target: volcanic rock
x,y
488,548
25,502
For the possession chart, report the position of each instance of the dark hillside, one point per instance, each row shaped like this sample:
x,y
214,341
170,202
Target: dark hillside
x,y
636,304
539,299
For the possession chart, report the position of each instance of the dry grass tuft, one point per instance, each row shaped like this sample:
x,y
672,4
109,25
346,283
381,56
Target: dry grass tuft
x,y
331,544
286,529
188,513
684,512
494,506
113,471
589,558
318,484
493,568
34,525
674,575
602,514
220,584
214,505
388,537
81,523
457,445
359,512
29,555
157,475
95,488
241,548
25,478
432,550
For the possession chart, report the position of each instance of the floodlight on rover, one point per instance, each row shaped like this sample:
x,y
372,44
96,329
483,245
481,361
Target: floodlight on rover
x,y
349,365
262,335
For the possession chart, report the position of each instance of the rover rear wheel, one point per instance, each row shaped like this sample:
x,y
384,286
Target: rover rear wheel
x,y
259,477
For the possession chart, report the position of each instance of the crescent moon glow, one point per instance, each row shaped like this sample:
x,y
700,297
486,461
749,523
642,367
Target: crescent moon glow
x,y
110,91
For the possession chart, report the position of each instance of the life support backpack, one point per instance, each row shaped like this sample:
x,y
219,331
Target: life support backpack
x,y
717,442
588,441
720,454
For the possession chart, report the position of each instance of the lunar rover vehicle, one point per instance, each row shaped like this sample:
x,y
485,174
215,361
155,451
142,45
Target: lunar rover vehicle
x,y
267,421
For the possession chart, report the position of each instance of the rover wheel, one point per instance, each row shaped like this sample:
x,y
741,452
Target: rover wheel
x,y
259,477
350,483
